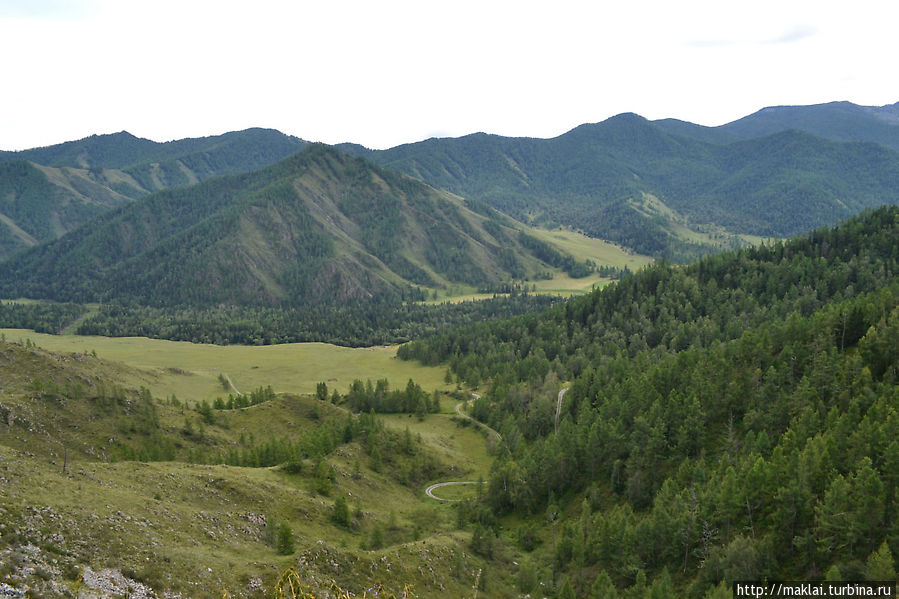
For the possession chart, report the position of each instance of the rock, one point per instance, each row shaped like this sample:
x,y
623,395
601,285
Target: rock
x,y
8,592
111,582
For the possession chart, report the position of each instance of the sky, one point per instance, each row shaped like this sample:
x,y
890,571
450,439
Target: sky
x,y
386,72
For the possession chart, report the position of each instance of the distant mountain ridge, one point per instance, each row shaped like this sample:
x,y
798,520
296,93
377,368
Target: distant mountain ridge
x,y
667,188
320,226
45,192
247,149
839,121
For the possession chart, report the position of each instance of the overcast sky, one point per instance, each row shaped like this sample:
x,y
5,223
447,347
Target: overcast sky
x,y
386,72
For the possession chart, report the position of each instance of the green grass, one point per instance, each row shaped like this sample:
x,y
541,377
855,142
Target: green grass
x,y
463,447
603,253
590,248
196,529
191,371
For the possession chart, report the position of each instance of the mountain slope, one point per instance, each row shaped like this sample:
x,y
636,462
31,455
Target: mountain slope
x,y
39,203
319,226
104,485
662,192
734,419
46,192
839,121
666,188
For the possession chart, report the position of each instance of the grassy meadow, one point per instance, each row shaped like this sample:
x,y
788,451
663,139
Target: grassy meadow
x,y
191,371
603,253
211,530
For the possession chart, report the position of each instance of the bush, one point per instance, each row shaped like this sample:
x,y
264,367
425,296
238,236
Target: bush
x,y
284,540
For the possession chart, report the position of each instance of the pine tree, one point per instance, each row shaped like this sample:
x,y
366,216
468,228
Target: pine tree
x,y
341,514
879,566
603,588
284,540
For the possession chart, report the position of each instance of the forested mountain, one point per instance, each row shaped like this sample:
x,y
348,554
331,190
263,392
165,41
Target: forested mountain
x,y
45,192
39,203
840,121
735,419
666,188
670,188
319,226
236,151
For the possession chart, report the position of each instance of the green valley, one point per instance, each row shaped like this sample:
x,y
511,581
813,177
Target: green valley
x,y
640,360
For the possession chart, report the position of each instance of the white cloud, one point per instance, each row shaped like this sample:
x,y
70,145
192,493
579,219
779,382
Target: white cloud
x,y
384,73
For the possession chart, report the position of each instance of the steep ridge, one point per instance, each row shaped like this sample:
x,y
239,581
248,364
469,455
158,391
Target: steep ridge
x,y
319,226
46,192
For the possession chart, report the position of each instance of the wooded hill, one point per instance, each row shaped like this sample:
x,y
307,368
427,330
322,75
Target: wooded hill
x,y
839,121
320,227
45,192
666,188
735,419
675,189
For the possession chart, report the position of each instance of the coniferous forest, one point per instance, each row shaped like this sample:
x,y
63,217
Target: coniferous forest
x,y
735,419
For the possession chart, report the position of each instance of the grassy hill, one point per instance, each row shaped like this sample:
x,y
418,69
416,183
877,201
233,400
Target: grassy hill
x,y
222,500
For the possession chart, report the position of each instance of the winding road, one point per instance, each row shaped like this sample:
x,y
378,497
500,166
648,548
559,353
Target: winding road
x,y
559,405
477,422
430,490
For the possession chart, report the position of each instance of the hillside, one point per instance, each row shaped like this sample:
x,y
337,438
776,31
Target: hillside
x,y
664,188
671,189
111,490
839,121
735,419
46,192
39,203
318,227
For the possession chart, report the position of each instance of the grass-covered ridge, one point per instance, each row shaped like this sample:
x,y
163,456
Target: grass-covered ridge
x,y
221,499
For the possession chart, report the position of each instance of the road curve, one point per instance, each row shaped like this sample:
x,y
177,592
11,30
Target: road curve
x,y
430,490
559,405
476,422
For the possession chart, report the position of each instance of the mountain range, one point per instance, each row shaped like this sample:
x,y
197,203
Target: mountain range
x,y
664,188
318,226
46,192
673,188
